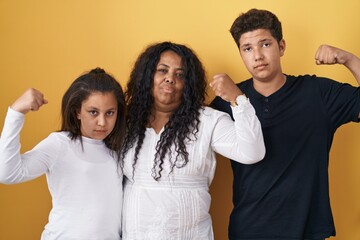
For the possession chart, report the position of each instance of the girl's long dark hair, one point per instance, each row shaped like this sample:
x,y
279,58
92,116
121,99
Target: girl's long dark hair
x,y
184,121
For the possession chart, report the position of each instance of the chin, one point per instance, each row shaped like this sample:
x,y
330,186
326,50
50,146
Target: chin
x,y
99,137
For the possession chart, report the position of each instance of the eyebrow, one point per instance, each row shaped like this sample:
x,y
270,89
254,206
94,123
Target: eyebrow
x,y
164,65
95,108
245,45
265,40
261,41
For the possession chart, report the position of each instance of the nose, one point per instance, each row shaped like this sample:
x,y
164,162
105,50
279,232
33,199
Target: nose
x,y
101,121
169,78
258,55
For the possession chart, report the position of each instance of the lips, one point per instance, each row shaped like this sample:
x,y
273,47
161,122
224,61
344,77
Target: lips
x,y
260,66
101,131
168,89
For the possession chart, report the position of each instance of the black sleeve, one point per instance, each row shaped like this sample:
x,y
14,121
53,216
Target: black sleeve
x,y
342,101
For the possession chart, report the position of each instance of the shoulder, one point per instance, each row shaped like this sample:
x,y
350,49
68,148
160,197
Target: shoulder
x,y
60,136
210,118
309,82
307,78
245,84
56,140
211,114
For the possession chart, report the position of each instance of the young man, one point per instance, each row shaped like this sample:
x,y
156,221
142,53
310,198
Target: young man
x,y
285,196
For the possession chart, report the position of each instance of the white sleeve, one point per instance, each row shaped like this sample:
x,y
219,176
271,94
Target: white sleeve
x,y
14,167
240,140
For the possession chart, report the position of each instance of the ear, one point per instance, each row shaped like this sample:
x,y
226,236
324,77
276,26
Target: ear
x,y
282,46
78,115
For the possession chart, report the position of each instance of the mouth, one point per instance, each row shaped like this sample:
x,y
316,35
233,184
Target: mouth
x,y
100,131
260,66
168,89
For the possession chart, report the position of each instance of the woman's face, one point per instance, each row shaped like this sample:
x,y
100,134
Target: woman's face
x,y
169,82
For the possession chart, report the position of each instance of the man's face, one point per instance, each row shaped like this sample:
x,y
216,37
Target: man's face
x,y
261,54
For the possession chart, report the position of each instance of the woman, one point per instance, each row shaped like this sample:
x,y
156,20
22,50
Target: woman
x,y
169,150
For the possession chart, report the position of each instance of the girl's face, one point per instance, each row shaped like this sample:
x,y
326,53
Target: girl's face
x,y
98,115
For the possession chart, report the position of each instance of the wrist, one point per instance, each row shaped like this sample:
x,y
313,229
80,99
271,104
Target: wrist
x,y
233,103
239,100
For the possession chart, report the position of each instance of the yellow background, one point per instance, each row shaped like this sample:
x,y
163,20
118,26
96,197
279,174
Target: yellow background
x,y
46,44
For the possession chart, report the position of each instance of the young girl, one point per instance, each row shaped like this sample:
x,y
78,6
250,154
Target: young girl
x,y
82,174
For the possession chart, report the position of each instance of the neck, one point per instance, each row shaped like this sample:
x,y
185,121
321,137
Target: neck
x,y
158,119
266,88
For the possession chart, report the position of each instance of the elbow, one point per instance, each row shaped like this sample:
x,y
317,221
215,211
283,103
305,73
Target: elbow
x,y
7,181
256,155
6,178
259,156
3,178
254,159
259,152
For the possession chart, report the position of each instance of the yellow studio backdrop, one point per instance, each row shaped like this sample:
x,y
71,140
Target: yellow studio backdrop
x,y
46,44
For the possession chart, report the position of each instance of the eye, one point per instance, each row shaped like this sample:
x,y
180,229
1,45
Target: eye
x,y
266,44
247,49
180,75
110,113
162,70
93,113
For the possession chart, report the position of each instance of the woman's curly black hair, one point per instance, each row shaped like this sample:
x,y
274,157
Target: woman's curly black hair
x,y
184,121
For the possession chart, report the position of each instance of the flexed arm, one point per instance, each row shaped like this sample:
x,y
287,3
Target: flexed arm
x,y
327,54
242,140
14,167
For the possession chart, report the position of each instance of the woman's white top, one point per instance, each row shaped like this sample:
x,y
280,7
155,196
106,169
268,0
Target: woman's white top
x,y
177,206
84,181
